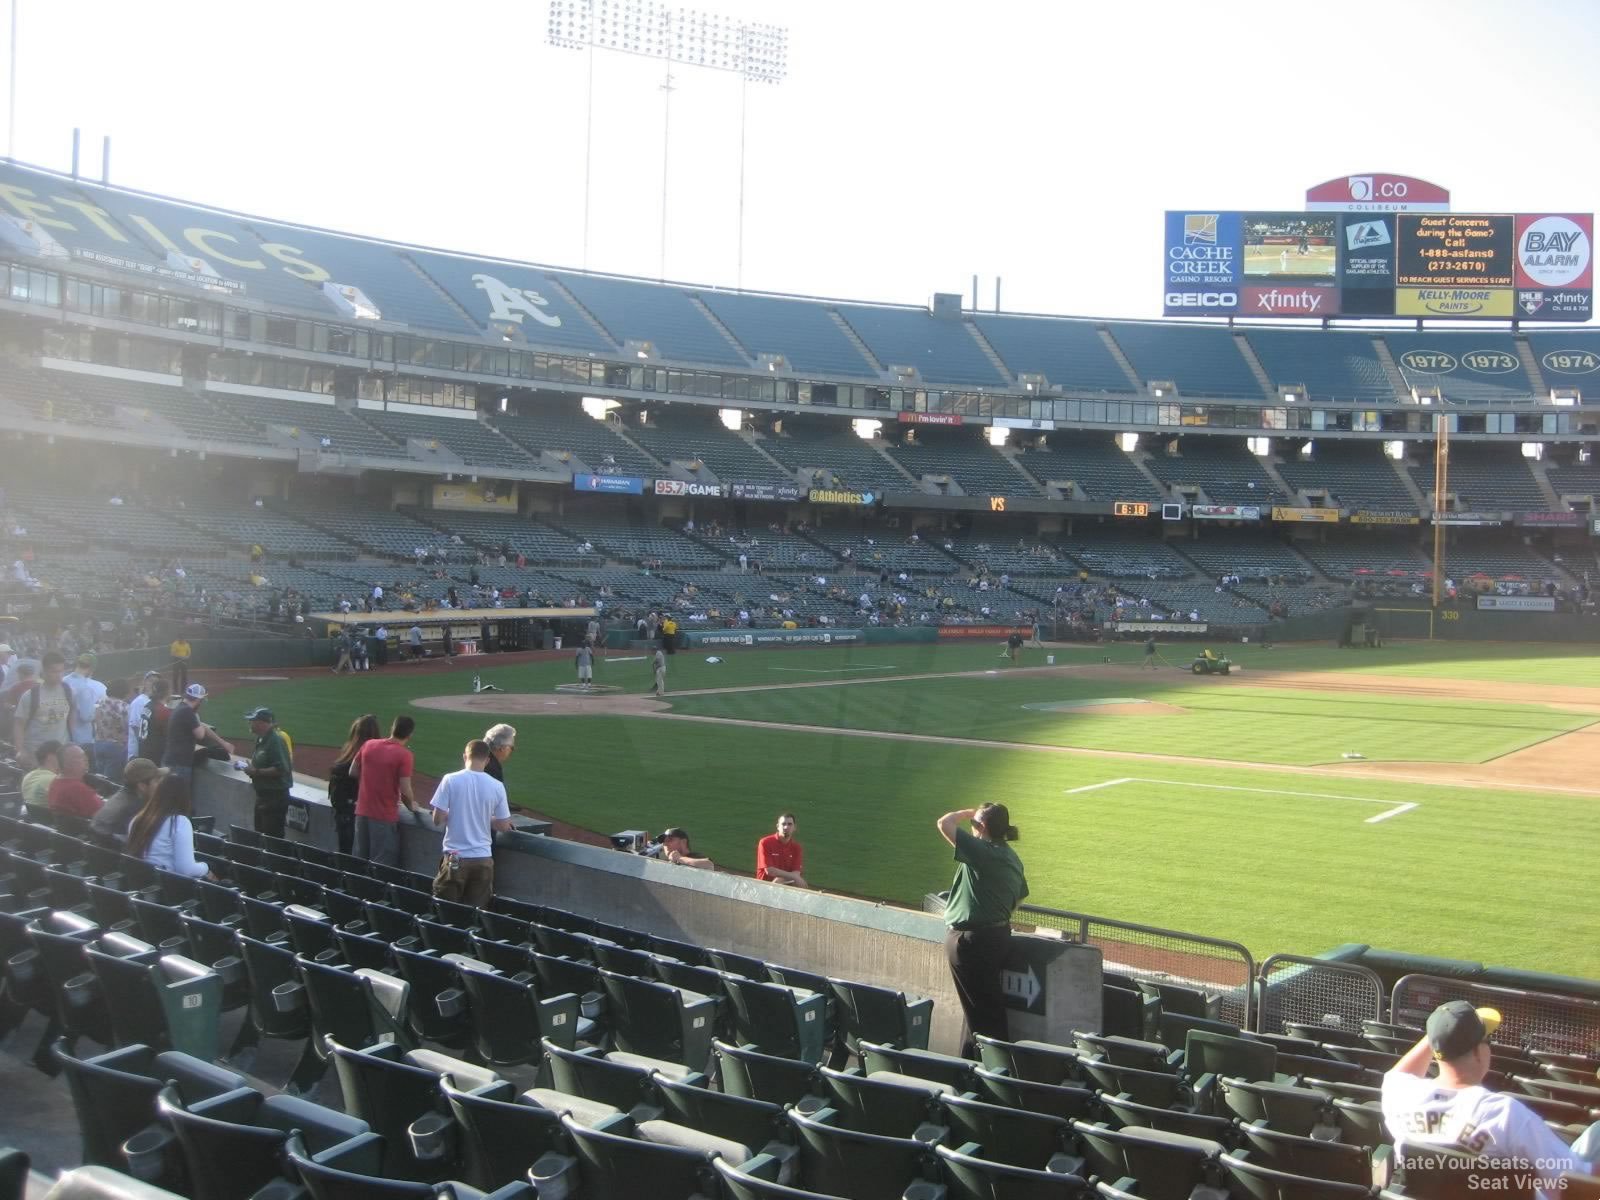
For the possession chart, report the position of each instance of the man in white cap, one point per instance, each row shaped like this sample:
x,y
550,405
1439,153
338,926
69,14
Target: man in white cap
x,y
186,733
1455,1113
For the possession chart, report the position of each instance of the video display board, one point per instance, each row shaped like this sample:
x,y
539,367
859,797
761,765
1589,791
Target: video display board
x,y
1529,266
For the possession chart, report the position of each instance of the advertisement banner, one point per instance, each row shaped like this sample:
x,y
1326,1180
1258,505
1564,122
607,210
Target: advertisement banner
x,y
630,485
1517,603
1555,266
841,496
1308,300
1377,192
1326,516
1022,423
1160,627
687,487
1366,247
1454,302
480,497
1203,264
767,491
928,418
1455,250
1226,512
991,632
1468,518
769,637
1385,518
1550,520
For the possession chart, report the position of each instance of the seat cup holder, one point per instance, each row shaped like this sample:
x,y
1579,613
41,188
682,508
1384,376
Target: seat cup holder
x,y
146,1154
591,1005
289,997
230,970
80,991
433,1137
451,1002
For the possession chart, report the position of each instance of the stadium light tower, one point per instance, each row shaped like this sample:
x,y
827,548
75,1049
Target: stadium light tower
x,y
755,51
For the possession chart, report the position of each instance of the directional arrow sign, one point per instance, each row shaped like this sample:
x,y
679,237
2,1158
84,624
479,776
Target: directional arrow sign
x,y
1022,987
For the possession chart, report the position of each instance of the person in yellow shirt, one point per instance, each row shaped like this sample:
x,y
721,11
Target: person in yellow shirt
x,y
180,651
669,636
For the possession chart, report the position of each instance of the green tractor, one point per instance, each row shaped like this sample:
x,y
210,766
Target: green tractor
x,y
1207,663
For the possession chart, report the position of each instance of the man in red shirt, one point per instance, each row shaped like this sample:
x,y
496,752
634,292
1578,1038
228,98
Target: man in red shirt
x,y
382,769
779,857
68,792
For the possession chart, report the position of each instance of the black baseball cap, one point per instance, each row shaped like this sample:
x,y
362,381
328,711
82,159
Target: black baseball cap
x,y
1455,1028
675,832
259,714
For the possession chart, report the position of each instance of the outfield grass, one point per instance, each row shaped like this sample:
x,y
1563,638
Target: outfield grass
x,y
1499,876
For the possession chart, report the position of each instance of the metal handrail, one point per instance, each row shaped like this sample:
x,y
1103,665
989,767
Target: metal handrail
x,y
1264,997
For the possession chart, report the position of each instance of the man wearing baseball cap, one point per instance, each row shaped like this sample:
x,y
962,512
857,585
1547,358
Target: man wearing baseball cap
x,y
186,732
271,771
1455,1112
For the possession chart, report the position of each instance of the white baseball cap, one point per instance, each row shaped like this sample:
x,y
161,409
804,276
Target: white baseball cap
x,y
195,691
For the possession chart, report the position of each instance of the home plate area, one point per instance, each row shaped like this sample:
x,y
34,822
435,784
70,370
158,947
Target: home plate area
x,y
1108,706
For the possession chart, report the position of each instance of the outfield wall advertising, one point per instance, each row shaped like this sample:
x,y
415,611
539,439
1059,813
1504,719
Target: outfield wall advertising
x,y
630,485
1517,603
770,637
1527,266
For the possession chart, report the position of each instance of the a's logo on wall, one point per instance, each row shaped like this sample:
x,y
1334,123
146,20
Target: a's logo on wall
x,y
512,304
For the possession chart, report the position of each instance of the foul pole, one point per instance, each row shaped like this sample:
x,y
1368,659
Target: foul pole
x,y
1441,488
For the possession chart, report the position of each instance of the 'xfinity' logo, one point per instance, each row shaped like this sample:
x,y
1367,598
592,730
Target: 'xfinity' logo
x,y
1307,300
512,304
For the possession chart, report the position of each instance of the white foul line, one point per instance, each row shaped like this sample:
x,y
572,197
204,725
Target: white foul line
x,y
1229,787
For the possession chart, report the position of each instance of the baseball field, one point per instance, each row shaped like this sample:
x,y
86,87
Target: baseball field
x,y
1437,797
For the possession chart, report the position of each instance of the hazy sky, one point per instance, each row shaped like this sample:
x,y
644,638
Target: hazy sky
x,y
912,145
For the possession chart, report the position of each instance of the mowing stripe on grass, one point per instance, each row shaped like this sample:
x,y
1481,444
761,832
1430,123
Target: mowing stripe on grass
x,y
834,671
1229,787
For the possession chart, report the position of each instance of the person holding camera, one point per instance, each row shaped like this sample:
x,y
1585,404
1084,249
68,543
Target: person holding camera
x,y
988,885
673,846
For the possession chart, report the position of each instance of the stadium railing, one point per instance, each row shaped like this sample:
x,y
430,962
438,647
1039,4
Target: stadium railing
x,y
1167,955
1537,1020
1291,987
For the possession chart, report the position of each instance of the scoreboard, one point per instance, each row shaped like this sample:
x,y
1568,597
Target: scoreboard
x,y
1503,266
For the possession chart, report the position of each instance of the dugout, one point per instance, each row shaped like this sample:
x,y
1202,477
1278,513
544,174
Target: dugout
x,y
485,630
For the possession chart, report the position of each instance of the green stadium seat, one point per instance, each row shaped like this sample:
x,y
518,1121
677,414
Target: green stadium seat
x,y
1282,1106
861,1166
660,1021
1010,1135
591,1076
355,1007
1128,1052
882,1015
1058,1100
1039,1062
509,1017
778,1020
1162,1166
233,1144
739,1184
920,1064
1127,1112
1162,1089
970,1177
325,1178
613,1167
895,1106
1258,1182
1307,1156
745,1071
499,1138
752,1123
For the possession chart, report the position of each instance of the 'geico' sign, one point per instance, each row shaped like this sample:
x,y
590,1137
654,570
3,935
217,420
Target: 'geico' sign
x,y
1202,299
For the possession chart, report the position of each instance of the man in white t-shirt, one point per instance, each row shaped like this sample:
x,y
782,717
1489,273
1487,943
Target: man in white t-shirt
x,y
471,806
1455,1112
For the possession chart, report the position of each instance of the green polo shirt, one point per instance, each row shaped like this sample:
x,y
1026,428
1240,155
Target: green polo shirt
x,y
989,883
272,751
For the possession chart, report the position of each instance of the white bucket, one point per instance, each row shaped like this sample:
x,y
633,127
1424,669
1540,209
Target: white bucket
x,y
1050,660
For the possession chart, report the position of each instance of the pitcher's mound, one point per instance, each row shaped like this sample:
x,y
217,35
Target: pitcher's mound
x,y
1108,706
557,704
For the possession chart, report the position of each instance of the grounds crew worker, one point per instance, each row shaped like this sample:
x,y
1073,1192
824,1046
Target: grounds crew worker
x,y
271,771
989,884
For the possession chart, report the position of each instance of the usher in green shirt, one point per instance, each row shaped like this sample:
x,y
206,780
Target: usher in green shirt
x,y
989,883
